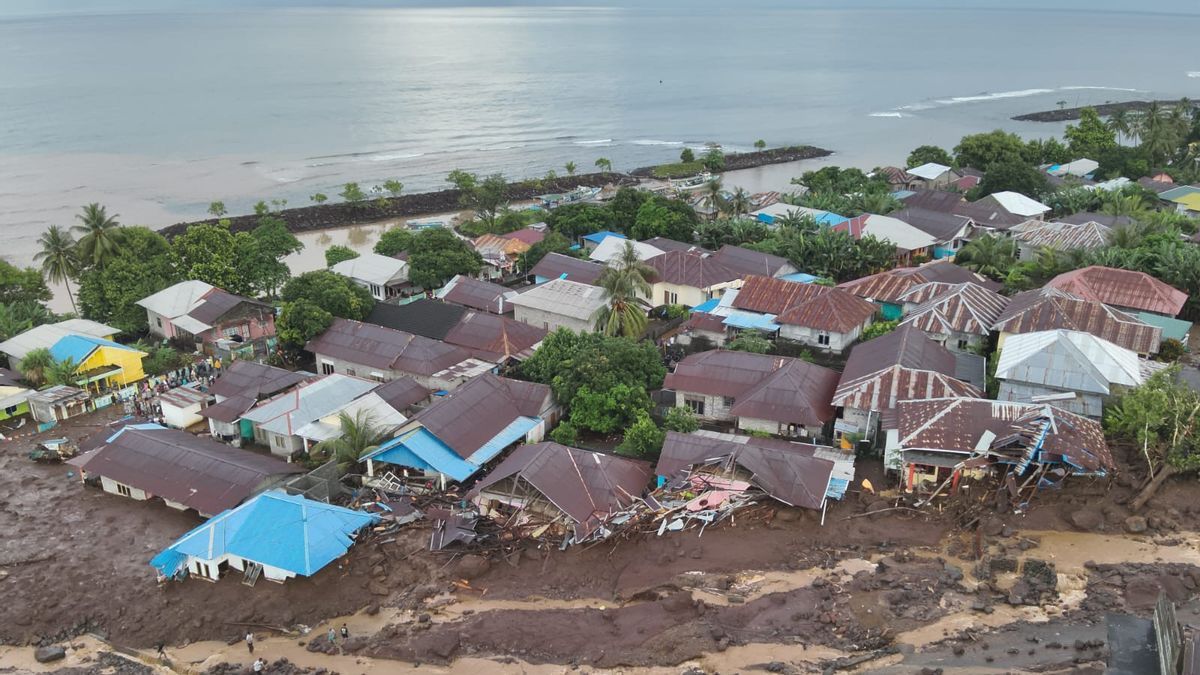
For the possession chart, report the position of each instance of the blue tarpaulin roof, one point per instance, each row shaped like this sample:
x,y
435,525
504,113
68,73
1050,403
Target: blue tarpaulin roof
x,y
597,237
740,319
800,277
79,347
288,532
420,449
707,306
828,218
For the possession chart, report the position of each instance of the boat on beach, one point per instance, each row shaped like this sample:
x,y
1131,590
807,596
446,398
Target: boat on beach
x,y
691,183
579,194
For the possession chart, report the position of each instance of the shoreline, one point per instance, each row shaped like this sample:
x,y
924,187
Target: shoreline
x,y
739,161
1102,109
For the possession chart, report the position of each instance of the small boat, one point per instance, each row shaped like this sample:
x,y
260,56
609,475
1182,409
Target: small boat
x,y
697,181
427,223
579,194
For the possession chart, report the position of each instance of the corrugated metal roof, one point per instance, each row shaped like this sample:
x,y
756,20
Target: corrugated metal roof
x,y
79,347
476,294
1173,329
1123,288
612,248
175,465
1018,204
929,170
886,228
746,261
565,297
960,308
902,365
555,265
183,397
768,295
1062,236
1069,360
288,532
937,224
176,300
253,379
495,338
378,347
703,321
799,304
684,268
1051,309
286,413
46,335
490,403
373,268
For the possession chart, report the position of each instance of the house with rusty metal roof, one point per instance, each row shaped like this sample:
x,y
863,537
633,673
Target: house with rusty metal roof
x,y
689,278
887,289
144,461
1052,309
901,365
797,474
375,352
829,319
226,325
239,387
559,266
472,293
949,231
1034,235
746,262
959,316
1129,290
755,392
936,444
486,336
456,435
1072,370
552,490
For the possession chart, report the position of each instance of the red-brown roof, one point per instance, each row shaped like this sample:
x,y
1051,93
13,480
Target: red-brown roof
x,y
768,295
703,321
959,308
809,305
1122,288
527,235
890,286
474,413
901,365
685,268
1051,309
555,265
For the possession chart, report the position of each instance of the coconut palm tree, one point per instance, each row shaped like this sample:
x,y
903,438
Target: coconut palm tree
x,y
35,366
739,202
626,285
58,260
604,164
988,255
712,199
570,167
359,437
1129,204
63,372
1158,133
1119,123
100,235
18,317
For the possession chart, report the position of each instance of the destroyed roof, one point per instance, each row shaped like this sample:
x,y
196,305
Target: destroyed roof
x,y
793,475
555,265
563,297
798,304
379,347
254,380
473,414
745,261
1122,288
957,308
425,317
703,321
1069,360
1062,236
287,532
774,388
477,294
901,365
890,286
684,268
972,426
1050,309
587,486
940,225
197,472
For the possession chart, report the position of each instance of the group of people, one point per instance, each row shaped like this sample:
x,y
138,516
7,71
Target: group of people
x,y
145,404
260,664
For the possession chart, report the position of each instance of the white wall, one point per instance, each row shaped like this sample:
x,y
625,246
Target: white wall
x,y
551,321
838,342
181,418
112,486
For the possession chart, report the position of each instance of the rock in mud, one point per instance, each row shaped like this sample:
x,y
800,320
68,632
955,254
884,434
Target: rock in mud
x,y
49,654
1135,524
1087,520
472,567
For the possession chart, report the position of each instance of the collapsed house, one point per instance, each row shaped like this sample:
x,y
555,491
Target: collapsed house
x,y
551,489
935,444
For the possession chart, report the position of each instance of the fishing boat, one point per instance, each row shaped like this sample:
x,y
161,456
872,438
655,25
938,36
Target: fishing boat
x,y
687,184
579,194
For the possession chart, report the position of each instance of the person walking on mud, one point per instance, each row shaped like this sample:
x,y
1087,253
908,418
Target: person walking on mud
x,y
250,642
345,633
332,636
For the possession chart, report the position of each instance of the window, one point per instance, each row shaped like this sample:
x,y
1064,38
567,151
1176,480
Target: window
x,y
158,321
823,339
378,377
670,298
728,401
350,372
696,404
124,490
962,345
375,290
326,368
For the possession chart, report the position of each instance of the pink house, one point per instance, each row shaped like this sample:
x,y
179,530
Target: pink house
x,y
220,323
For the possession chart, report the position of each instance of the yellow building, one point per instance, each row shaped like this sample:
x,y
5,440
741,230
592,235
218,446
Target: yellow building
x,y
102,364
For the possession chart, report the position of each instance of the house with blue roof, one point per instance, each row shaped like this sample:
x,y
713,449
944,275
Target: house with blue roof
x,y
274,535
458,434
591,241
99,363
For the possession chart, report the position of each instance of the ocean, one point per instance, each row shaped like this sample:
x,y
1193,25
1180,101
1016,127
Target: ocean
x,y
157,112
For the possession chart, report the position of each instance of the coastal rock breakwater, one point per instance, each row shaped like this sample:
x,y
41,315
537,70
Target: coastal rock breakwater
x,y
750,160
1103,109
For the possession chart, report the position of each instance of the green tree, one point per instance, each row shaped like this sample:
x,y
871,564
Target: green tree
x,y
739,202
336,254
210,252
396,240
878,328
18,317
927,154
681,419
1047,151
352,194
625,206
565,434
57,258
687,156
1159,136
1120,123
22,285
760,145
626,285
393,187
569,361
100,235
160,359
982,151
553,242
604,164
642,439
360,436
333,292
319,198
575,220
713,159
749,341
437,255
300,321
988,255
1014,175
63,371
1091,137
485,197
36,365
145,265
713,198
604,412
216,209
663,217
570,167
261,208
274,237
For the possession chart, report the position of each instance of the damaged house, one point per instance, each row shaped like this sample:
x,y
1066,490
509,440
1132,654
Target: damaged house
x,y
566,493
227,326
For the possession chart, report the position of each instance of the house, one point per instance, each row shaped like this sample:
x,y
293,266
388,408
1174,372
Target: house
x,y
900,179
958,316
241,385
1128,290
746,262
377,408
499,253
1051,309
560,303
774,212
559,266
277,422
1034,235
703,326
226,325
826,318
1080,168
100,364
950,232
14,398
59,403
457,435
384,276
487,337
591,241
46,335
667,245
1016,204
1071,370
945,201
910,242
181,406
1188,204
274,535
798,474
574,492
477,294
756,392
528,235
689,278
143,461
937,443
887,289
366,350
1172,329
934,176
613,247
901,365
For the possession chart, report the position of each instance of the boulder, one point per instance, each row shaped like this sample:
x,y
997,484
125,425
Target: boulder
x,y
49,654
472,567
1135,524
1087,520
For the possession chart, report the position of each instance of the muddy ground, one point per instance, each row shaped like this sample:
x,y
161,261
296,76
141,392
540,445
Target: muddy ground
x,y
876,589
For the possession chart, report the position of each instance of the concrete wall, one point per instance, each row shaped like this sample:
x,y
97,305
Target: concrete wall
x,y
687,295
181,418
280,445
715,407
838,342
111,486
550,321
366,372
775,428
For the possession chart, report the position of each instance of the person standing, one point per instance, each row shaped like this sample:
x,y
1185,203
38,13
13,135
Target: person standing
x,y
259,664
332,636
345,633
250,642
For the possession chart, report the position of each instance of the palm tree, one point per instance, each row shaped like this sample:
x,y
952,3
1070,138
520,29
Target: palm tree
x,y
988,255
100,235
58,260
713,199
1119,123
626,285
1158,133
63,372
359,437
35,365
570,167
739,202
18,317
1127,236
604,164
1129,204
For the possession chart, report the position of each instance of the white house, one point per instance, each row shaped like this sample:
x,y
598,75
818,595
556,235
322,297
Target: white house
x,y
384,276
560,303
181,406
